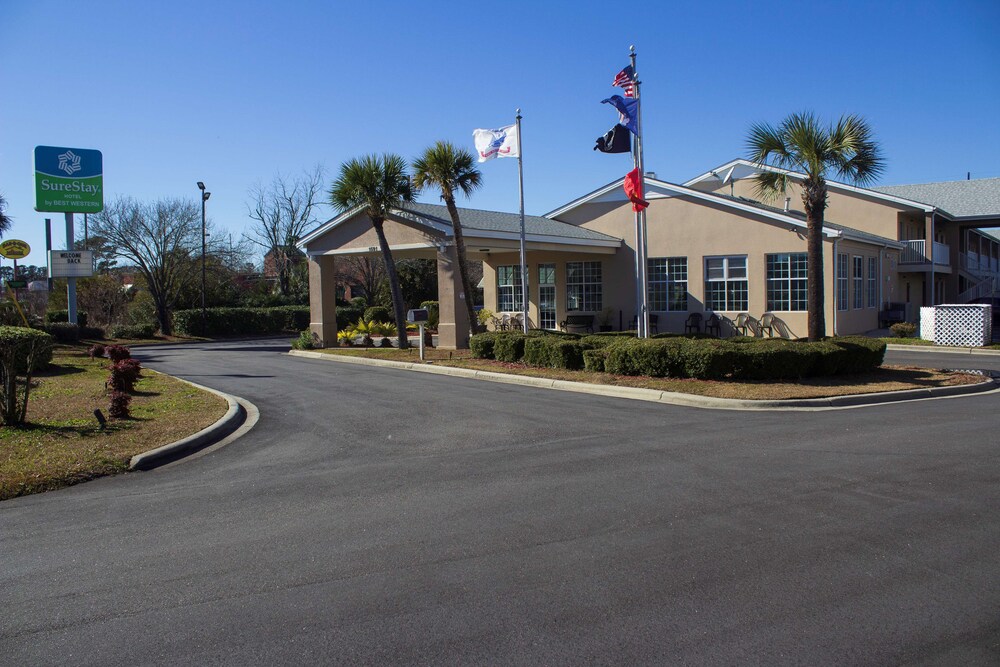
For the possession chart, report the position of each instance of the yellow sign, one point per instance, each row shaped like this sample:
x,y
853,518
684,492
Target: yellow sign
x,y
14,249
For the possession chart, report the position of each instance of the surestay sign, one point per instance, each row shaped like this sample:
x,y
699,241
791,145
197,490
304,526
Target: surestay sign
x,y
68,180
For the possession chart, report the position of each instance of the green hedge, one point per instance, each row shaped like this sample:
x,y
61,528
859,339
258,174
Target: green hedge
x,y
242,321
134,331
378,314
19,340
742,358
54,316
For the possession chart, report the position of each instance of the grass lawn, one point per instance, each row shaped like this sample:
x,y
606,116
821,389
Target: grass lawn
x,y
887,378
62,443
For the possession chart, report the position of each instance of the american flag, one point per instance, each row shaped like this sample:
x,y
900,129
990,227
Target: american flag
x,y
625,79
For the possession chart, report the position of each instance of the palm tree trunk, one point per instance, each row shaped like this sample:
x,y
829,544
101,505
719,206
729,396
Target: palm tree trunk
x,y
814,199
463,266
397,293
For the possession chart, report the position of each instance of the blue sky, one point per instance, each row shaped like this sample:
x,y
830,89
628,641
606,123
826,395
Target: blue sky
x,y
231,93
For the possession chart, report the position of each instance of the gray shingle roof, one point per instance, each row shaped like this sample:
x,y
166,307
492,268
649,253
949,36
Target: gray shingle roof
x,y
958,198
495,221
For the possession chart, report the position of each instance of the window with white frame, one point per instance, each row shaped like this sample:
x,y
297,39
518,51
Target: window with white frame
x,y
726,286
583,286
842,281
547,296
510,293
872,282
859,281
788,281
667,283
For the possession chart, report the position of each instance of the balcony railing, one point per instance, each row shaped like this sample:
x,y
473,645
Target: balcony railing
x,y
915,252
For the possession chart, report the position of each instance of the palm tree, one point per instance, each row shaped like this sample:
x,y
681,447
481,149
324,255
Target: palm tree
x,y
5,221
378,184
451,169
801,144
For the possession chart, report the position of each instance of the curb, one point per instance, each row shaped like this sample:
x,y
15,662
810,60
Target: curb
x,y
940,348
236,415
669,397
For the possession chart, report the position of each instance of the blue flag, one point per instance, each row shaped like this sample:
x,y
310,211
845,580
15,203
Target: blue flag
x,y
628,110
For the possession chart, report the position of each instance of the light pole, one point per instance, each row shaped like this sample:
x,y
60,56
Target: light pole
x,y
204,198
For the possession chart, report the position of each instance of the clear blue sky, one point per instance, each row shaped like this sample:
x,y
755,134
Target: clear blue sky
x,y
230,93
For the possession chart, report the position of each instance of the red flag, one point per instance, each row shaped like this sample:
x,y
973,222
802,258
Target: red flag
x,y
633,189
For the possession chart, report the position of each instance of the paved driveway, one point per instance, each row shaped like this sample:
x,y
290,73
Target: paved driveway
x,y
378,516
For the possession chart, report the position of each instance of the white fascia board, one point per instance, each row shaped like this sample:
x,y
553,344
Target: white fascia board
x,y
542,238
369,250
857,238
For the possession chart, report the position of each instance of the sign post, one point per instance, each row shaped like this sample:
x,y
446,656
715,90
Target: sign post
x,y
69,180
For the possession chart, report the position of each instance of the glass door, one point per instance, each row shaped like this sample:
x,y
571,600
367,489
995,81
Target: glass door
x,y
547,296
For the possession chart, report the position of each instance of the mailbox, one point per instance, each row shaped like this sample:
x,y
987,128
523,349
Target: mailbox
x,y
417,315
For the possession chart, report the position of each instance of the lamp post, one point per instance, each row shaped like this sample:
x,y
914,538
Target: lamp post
x,y
204,198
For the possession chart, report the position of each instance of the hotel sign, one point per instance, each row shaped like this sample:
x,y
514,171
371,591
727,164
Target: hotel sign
x,y
68,180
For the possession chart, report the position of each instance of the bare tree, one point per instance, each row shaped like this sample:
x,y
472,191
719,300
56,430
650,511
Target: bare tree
x,y
160,239
367,272
282,212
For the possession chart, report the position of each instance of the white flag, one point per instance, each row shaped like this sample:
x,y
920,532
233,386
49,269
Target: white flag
x,y
497,143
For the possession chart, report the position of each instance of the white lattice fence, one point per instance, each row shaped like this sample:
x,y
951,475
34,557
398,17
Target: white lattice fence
x,y
927,323
966,324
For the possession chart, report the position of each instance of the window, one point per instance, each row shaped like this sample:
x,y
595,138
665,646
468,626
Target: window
x,y
872,282
788,281
859,282
583,286
841,281
667,283
510,294
726,285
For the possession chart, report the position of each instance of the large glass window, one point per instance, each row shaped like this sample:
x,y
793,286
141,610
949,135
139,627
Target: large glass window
x,y
583,286
547,296
872,282
510,293
841,281
788,281
859,281
726,285
667,283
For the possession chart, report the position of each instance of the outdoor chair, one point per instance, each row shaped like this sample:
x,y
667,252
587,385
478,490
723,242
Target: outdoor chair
x,y
693,323
767,324
713,325
746,322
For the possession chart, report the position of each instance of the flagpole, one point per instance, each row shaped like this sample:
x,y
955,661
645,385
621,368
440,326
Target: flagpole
x,y
642,313
524,259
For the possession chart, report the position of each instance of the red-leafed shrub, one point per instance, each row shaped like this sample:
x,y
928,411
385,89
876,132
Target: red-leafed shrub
x,y
117,352
124,374
96,351
119,405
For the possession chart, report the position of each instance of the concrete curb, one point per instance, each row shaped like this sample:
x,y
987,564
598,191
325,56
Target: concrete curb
x,y
669,397
941,348
235,416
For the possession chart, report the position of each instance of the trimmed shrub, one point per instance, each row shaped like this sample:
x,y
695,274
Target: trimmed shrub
x,y
91,333
379,314
117,352
119,408
904,329
22,351
482,344
64,332
242,321
124,375
385,342
593,360
96,351
553,352
54,316
509,346
348,315
711,359
864,354
773,360
134,331
655,358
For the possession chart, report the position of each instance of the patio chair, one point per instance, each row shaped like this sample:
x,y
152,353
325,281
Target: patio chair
x,y
746,322
504,322
714,325
693,323
775,326
767,324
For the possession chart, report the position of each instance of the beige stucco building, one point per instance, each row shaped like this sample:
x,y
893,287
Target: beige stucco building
x,y
712,246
